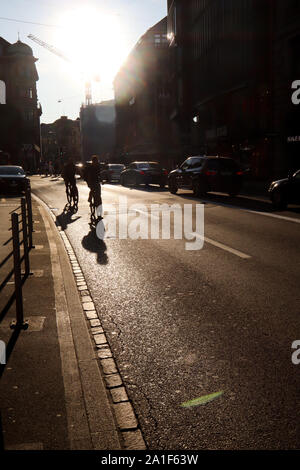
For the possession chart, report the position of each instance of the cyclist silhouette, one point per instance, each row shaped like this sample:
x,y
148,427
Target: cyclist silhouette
x,y
68,174
92,176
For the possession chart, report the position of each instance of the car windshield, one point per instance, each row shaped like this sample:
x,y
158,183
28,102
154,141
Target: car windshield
x,y
148,165
192,162
196,162
11,170
116,167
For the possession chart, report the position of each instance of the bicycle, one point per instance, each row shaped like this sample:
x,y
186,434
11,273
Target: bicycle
x,y
95,210
72,196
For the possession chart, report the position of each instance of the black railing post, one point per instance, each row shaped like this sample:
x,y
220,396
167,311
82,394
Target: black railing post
x,y
25,237
19,324
17,268
29,211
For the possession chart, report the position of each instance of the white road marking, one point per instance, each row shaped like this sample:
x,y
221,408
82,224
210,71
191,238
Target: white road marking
x,y
233,251
275,216
238,253
267,214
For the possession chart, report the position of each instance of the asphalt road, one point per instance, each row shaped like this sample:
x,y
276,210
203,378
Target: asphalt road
x,y
185,324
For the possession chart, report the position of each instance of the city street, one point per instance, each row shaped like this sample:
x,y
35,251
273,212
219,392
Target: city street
x,y
185,324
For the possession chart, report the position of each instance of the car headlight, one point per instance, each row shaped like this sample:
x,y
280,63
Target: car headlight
x,y
272,186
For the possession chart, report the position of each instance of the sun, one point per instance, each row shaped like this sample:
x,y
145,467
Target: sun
x,y
94,42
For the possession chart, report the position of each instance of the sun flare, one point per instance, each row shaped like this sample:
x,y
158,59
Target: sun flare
x,y
94,42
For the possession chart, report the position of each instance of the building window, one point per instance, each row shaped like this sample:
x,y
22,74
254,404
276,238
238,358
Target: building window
x,y
29,115
26,92
157,40
2,92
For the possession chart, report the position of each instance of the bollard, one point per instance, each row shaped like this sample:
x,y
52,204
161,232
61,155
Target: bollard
x,y
29,211
19,324
25,237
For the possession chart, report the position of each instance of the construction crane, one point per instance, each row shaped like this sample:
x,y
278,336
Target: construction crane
x,y
57,52
50,48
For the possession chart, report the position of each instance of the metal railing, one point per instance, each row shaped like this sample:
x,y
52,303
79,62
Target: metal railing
x,y
22,228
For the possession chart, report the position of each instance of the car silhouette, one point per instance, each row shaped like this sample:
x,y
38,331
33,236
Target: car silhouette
x,y
13,179
207,173
137,173
285,191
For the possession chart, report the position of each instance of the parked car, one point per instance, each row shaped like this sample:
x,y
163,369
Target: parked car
x,y
112,172
137,173
207,173
13,178
285,191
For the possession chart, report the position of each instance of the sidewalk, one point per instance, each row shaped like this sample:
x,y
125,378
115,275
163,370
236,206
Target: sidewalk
x,y
60,388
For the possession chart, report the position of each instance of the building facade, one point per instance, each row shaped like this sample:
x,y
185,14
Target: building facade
x,y
286,83
142,99
179,80
19,108
231,69
61,140
98,130
222,52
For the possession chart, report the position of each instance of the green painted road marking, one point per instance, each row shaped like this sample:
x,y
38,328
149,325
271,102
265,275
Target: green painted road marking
x,y
201,400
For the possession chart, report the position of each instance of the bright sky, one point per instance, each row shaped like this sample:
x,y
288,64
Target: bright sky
x,y
96,35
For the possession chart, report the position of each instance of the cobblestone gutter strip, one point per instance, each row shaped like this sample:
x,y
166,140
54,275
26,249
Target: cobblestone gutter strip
x,y
123,410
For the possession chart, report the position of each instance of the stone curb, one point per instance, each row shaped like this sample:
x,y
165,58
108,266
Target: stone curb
x,y
123,410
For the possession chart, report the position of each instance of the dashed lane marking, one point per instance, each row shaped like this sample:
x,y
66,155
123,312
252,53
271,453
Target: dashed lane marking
x,y
275,216
233,251
266,214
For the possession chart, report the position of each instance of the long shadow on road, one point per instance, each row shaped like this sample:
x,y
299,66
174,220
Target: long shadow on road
x,y
65,218
93,244
148,189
